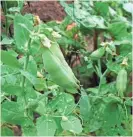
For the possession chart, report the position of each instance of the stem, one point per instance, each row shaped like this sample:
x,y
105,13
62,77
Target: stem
x,y
7,98
95,46
95,39
3,76
25,68
99,66
5,12
101,78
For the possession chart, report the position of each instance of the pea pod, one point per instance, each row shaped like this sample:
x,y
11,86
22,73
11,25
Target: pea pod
x,y
57,52
54,64
97,54
121,82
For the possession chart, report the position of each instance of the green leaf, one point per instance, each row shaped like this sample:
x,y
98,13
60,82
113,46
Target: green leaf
x,y
112,99
13,53
125,49
13,90
5,131
35,46
22,28
14,9
9,60
118,30
38,83
94,22
102,8
9,75
32,66
128,101
42,106
7,41
46,126
113,66
95,121
108,88
111,115
12,112
58,124
29,130
128,7
94,125
72,124
63,103
85,105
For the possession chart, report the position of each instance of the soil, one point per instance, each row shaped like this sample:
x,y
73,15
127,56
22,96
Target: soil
x,y
46,10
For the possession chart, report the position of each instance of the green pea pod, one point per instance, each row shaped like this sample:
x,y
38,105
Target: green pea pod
x,y
57,52
121,82
97,54
59,73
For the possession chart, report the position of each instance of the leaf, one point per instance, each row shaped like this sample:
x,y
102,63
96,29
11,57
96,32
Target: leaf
x,y
102,8
9,60
12,112
94,125
128,101
42,106
9,75
63,103
14,9
125,49
7,41
85,105
30,92
111,115
108,88
22,28
13,90
72,124
5,131
94,22
112,99
128,7
38,83
46,126
29,130
58,124
118,30
95,121
35,46
32,66
113,66
13,53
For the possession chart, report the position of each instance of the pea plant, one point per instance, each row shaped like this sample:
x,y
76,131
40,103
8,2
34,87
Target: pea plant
x,y
52,84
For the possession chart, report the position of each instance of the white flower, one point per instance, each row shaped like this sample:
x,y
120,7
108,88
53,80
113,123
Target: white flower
x,y
46,42
56,34
86,58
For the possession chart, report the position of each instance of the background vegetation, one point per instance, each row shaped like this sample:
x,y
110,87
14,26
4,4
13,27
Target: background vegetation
x,y
55,82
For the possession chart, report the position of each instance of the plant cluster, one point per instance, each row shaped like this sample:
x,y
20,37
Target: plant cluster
x,y
44,66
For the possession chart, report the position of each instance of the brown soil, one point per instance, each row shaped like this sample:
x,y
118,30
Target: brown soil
x,y
46,10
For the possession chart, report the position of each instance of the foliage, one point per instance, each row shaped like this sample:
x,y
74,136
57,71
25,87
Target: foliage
x,y
38,75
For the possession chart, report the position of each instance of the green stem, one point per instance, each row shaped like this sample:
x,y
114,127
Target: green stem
x,y
17,73
25,68
5,12
101,78
99,66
